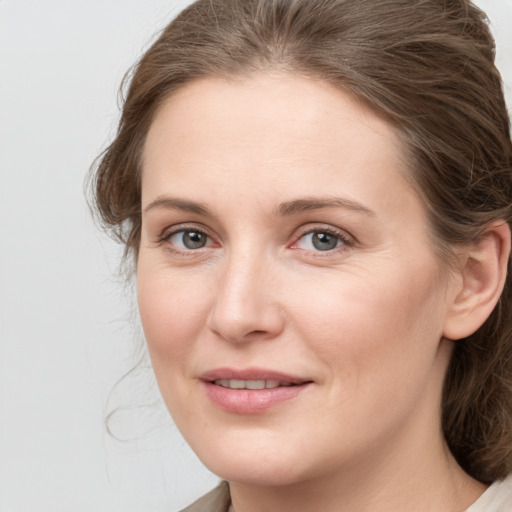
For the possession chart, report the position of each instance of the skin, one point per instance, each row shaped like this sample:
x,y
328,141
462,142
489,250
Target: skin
x,y
363,321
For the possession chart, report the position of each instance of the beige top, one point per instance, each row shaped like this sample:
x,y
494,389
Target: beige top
x,y
217,500
497,498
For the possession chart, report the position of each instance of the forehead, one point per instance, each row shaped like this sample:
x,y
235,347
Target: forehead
x,y
270,132
277,103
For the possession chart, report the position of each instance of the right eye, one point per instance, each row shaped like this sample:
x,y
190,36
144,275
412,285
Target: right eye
x,y
189,239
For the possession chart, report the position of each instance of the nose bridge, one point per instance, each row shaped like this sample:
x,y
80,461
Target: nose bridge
x,y
244,306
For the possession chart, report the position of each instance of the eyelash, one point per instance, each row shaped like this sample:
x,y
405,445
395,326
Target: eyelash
x,y
345,240
168,233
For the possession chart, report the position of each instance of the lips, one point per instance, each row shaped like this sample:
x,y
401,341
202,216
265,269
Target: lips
x,y
251,391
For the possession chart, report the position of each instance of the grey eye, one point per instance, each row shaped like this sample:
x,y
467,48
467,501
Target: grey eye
x,y
324,241
189,239
320,241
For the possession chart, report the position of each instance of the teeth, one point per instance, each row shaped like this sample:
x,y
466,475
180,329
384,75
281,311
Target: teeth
x,y
254,384
250,384
236,384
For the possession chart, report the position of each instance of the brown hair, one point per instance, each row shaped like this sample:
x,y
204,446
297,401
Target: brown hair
x,y
428,67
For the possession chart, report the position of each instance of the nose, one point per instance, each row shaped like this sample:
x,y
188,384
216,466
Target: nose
x,y
246,306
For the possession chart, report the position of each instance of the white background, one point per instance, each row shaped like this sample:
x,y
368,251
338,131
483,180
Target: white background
x,y
66,329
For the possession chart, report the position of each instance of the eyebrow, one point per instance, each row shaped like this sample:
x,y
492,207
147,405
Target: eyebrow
x,y
312,203
284,209
173,203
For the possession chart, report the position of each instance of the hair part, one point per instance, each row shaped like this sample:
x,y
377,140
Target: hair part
x,y
427,66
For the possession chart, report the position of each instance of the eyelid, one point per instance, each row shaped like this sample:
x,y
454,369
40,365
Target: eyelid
x,y
347,239
169,231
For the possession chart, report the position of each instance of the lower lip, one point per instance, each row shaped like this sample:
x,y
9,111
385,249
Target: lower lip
x,y
251,401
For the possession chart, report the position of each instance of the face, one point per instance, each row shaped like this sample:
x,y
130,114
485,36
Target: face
x,y
290,295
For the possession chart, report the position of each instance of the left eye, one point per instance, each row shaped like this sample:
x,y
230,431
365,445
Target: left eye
x,y
189,239
320,241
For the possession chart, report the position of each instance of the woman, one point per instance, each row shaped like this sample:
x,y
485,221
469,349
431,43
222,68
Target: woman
x,y
318,200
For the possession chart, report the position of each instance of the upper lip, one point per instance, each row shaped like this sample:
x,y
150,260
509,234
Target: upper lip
x,y
251,374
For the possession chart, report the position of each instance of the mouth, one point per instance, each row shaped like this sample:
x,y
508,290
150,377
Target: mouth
x,y
251,384
251,378
251,391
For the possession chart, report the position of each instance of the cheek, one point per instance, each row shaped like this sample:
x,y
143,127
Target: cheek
x,y
375,324
172,311
378,341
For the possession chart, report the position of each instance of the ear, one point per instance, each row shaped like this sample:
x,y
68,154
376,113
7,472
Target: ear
x,y
482,272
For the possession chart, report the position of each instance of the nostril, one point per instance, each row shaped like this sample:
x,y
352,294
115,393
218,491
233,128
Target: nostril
x,y
244,313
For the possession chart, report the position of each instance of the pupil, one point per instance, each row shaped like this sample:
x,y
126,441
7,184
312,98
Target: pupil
x,y
324,241
193,240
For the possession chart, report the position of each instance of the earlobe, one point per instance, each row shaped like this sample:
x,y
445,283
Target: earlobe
x,y
483,270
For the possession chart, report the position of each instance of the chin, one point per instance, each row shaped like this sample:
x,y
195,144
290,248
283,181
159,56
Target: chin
x,y
253,464
264,473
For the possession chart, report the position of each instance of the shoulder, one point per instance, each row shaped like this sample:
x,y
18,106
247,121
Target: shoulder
x,y
217,500
497,498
